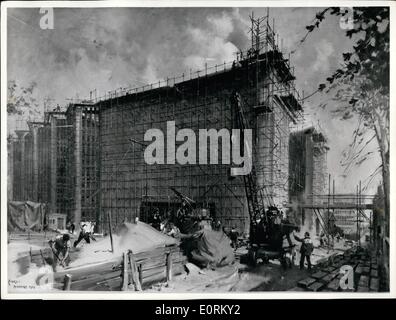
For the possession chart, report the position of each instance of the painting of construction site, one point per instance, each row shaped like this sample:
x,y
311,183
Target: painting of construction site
x,y
199,149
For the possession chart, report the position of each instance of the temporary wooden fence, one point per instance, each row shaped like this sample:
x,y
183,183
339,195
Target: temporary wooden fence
x,y
127,272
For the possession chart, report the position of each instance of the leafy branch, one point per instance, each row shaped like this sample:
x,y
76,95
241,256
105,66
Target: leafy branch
x,y
370,53
21,100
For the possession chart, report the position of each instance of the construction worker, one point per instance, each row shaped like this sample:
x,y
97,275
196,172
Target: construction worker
x,y
60,248
70,226
234,234
172,230
156,219
322,239
86,231
217,225
305,250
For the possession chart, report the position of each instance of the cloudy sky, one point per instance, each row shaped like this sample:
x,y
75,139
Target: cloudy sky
x,y
109,48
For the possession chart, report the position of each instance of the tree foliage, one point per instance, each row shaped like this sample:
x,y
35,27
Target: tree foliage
x,y
362,85
21,100
370,55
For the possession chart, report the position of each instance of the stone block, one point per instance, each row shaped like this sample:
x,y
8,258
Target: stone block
x,y
329,277
316,286
298,289
374,284
366,270
319,275
374,273
306,282
362,289
329,269
334,285
363,281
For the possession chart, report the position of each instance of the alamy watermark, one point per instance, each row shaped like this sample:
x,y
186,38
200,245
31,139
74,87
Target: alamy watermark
x,y
346,20
47,18
194,150
346,281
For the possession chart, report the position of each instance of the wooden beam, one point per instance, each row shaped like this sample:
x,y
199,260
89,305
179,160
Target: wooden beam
x,y
125,273
110,231
67,282
169,266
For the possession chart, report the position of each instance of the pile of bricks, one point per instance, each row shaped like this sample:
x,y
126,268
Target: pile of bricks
x,y
326,276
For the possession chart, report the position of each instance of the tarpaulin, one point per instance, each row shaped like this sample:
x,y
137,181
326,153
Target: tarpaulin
x,y
26,215
211,248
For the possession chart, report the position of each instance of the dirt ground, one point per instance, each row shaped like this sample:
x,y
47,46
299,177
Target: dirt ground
x,y
235,278
238,277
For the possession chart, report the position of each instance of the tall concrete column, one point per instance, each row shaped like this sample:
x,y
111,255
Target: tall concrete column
x,y
22,178
10,178
310,217
53,165
308,165
34,129
77,161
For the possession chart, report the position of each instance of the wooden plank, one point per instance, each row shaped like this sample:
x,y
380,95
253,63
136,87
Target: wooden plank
x,y
169,267
125,273
153,263
110,231
86,270
93,281
154,253
153,271
112,284
316,286
67,282
153,279
134,271
319,275
306,282
150,265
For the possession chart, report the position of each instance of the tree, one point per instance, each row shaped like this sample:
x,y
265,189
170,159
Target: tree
x,y
362,84
21,100
370,55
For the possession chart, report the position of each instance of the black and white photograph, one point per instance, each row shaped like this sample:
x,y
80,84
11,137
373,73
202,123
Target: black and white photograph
x,y
196,147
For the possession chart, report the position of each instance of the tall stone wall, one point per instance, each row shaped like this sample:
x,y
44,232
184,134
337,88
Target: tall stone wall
x,y
308,176
125,175
203,103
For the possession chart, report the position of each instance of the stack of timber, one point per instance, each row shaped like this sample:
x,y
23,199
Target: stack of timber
x,y
153,266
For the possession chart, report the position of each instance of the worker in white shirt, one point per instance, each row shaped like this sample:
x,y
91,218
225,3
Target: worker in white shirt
x,y
86,233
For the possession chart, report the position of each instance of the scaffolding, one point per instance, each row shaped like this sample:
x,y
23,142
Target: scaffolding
x,y
94,157
274,103
265,81
84,161
308,175
127,182
22,165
